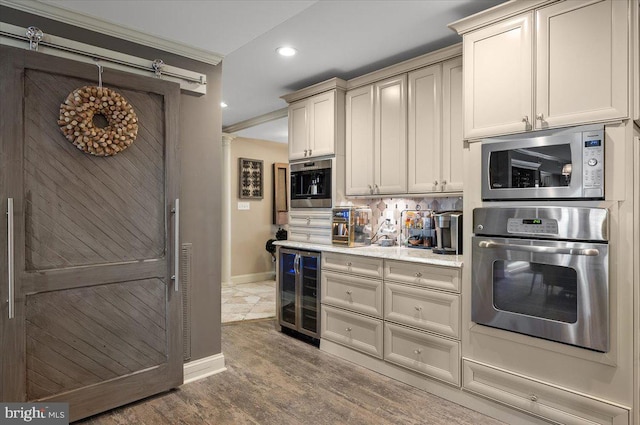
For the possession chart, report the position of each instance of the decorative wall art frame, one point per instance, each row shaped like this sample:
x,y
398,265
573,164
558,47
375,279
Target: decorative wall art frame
x,y
250,178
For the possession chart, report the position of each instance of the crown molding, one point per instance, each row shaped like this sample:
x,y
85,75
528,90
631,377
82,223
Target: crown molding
x,y
94,24
321,87
495,14
406,66
260,119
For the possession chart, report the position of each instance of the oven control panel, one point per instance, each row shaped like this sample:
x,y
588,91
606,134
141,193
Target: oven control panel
x,y
593,163
544,226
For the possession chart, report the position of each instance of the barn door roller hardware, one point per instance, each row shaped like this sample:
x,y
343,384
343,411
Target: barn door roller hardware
x,y
58,46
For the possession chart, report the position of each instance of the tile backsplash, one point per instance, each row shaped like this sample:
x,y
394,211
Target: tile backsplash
x,y
380,207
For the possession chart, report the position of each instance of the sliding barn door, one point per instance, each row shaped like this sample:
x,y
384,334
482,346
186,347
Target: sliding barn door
x,y
95,319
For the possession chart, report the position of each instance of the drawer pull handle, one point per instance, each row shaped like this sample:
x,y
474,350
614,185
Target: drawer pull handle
x,y
417,350
349,264
348,329
348,291
533,397
418,308
418,274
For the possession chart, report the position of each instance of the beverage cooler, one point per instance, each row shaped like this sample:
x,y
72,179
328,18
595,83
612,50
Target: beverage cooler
x,y
298,291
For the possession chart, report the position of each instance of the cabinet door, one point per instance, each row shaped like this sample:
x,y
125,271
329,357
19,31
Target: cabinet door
x,y
298,130
581,69
498,78
452,138
390,136
359,141
322,124
423,158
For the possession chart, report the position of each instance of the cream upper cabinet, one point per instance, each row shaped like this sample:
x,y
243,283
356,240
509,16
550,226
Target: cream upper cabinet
x,y
298,130
435,138
390,135
376,138
312,126
498,78
581,54
359,143
559,65
424,133
452,170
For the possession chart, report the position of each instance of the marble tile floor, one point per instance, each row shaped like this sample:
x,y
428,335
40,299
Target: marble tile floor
x,y
248,301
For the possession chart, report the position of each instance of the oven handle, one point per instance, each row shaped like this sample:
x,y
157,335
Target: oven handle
x,y
540,249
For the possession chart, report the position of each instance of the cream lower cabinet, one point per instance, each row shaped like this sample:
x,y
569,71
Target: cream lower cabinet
x,y
310,225
422,321
547,401
576,73
376,138
407,314
351,301
435,141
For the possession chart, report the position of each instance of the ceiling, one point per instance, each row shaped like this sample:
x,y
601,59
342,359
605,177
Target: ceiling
x,y
334,38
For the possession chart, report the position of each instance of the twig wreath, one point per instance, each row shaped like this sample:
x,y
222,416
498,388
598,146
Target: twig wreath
x,y
77,123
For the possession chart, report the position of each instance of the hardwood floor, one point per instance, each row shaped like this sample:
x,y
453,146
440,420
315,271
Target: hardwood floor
x,y
272,378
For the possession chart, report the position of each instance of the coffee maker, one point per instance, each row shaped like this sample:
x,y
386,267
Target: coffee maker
x,y
448,232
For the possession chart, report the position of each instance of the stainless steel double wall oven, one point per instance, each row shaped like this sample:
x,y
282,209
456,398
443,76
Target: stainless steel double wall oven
x,y
543,270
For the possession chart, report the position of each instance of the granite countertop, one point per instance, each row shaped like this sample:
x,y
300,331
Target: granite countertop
x,y
388,253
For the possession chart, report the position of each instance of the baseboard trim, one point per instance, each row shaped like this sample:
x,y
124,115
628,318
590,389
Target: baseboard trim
x,y
253,277
201,368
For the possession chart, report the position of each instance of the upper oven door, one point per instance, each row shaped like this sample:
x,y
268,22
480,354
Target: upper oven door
x,y
550,289
543,167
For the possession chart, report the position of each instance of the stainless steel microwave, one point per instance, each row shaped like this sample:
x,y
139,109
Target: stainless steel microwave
x,y
565,163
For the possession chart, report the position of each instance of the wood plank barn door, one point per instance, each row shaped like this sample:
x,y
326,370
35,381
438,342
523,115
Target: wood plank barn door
x,y
96,318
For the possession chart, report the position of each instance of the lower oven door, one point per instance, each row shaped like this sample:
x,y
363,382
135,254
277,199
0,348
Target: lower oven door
x,y
549,289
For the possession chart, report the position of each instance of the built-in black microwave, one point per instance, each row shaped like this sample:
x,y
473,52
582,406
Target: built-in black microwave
x,y
565,163
311,184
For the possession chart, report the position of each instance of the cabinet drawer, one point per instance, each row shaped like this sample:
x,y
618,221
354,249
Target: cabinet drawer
x,y
422,352
365,266
319,236
538,398
359,332
423,308
310,219
446,278
356,293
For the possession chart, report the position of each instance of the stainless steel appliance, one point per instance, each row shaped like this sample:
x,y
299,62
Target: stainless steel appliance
x,y
544,272
448,232
311,184
551,164
299,291
351,226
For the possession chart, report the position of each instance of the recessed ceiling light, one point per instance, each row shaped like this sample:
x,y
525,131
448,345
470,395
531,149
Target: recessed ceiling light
x,y
223,105
286,51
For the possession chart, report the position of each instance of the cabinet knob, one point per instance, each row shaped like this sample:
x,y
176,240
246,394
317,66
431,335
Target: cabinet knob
x,y
525,119
435,182
444,182
418,308
309,152
418,274
348,291
348,263
370,188
533,397
417,350
348,329
540,117
377,189
305,152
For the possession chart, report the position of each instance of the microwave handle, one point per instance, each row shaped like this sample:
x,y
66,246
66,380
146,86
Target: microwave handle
x,y
540,249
